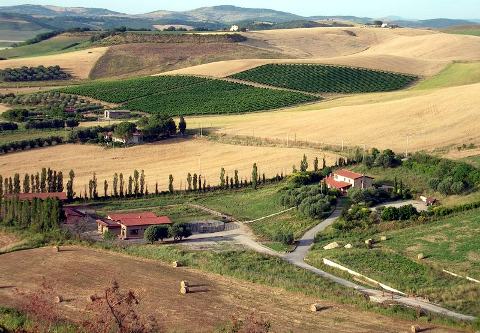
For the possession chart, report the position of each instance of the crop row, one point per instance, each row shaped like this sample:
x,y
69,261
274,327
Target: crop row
x,y
186,95
124,90
326,78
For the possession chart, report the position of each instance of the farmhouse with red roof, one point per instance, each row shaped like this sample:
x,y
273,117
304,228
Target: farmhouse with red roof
x,y
343,180
130,225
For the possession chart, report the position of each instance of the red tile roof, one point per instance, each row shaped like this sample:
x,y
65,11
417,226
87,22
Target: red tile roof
x,y
336,184
139,219
348,174
108,223
43,196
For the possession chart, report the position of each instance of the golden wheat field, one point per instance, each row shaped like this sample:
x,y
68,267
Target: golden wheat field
x,y
176,157
420,52
78,63
430,119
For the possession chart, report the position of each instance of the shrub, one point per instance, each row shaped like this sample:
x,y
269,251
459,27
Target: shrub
x,y
179,231
284,237
155,233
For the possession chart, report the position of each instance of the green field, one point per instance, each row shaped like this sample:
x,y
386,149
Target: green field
x,y
186,95
326,78
456,74
52,45
473,30
449,243
12,136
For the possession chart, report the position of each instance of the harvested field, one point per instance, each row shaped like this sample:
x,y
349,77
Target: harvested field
x,y
157,285
78,63
150,58
176,157
7,240
3,108
411,51
432,119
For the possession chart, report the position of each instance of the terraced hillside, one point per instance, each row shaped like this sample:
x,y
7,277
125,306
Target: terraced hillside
x,y
325,78
186,95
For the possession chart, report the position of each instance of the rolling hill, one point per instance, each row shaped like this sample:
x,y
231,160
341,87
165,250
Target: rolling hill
x,y
52,11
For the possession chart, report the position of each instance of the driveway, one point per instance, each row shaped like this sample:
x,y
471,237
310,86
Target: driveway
x,y
419,205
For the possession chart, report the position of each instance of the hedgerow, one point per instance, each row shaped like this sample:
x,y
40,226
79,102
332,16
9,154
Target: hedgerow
x,y
326,78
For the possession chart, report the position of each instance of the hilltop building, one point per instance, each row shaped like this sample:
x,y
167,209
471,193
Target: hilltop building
x,y
130,225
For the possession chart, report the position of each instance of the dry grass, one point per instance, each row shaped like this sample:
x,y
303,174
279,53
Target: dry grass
x,y
157,285
176,157
433,119
412,51
3,108
78,63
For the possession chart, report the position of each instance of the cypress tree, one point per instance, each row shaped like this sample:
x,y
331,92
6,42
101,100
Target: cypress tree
x,y
130,185
10,185
304,164
222,178
43,180
26,184
199,183
136,176
94,184
156,188
182,125
16,183
227,182
60,181
122,185
90,189
142,182
324,163
195,182
115,185
32,183
170,183
37,183
231,183
237,183
70,193
315,164
189,181
254,176
54,182
105,189
1,186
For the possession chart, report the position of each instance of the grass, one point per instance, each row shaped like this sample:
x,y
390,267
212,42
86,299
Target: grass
x,y
473,30
287,222
328,79
247,204
456,74
59,43
11,136
449,243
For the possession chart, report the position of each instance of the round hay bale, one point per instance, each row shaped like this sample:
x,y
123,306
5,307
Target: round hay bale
x,y
316,307
349,246
369,241
184,290
184,284
176,264
414,329
420,256
383,238
58,299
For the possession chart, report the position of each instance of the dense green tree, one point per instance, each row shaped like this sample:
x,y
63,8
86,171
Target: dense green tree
x,y
189,181
60,182
115,185
43,180
122,185
70,192
315,164
125,130
237,183
142,182
16,183
136,177
179,231
182,125
26,184
170,183
222,178
304,164
195,182
130,186
105,189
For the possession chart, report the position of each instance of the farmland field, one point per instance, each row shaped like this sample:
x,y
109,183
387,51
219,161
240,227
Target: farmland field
x,y
56,44
156,285
449,243
186,95
328,79
455,74
176,157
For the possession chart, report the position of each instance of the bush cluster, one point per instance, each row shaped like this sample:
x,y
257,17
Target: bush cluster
x,y
177,231
312,201
24,144
43,124
40,73
8,126
403,213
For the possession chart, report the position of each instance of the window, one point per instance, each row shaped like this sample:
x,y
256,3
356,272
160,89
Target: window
x,y
134,232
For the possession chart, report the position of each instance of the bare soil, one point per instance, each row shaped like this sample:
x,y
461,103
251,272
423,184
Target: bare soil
x,y
77,273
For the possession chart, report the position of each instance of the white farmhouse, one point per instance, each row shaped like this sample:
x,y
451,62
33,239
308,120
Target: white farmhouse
x,y
234,28
343,180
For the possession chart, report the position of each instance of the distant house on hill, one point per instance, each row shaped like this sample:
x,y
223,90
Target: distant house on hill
x,y
116,114
234,28
135,139
130,225
343,180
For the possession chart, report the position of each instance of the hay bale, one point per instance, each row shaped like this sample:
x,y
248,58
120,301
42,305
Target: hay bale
x,y
184,284
58,299
176,264
331,246
316,307
56,248
369,242
349,246
414,329
420,256
383,238
184,290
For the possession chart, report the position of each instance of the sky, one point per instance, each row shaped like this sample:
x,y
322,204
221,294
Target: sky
x,y
417,9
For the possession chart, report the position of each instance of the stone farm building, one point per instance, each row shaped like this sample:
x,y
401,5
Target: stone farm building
x,y
135,139
343,180
130,225
116,114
